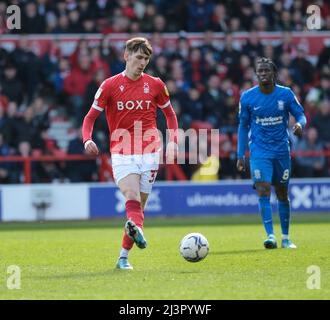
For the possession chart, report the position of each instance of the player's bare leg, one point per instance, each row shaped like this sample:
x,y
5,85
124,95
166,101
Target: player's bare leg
x,y
284,211
144,198
264,190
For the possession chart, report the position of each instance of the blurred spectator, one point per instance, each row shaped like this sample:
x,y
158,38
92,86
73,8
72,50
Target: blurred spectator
x,y
3,118
310,165
260,24
161,67
325,87
253,48
235,25
88,25
62,25
230,56
99,76
5,167
75,85
40,123
116,62
17,170
284,77
98,62
80,171
193,105
3,16
11,128
213,102
318,93
298,21
286,46
32,21
321,122
28,129
323,63
11,85
268,52
245,14
304,70
209,44
148,17
60,74
199,15
219,19
178,99
74,21
194,67
175,13
28,67
159,23
285,22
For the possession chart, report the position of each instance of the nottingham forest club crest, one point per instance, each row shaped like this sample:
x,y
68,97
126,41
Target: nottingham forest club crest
x,y
280,104
146,87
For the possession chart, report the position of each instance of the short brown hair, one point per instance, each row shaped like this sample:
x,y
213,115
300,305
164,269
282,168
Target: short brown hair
x,y
139,43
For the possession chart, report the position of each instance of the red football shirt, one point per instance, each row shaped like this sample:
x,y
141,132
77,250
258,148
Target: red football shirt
x,y
131,110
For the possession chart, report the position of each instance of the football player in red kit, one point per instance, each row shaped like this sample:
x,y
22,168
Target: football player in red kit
x,y
130,100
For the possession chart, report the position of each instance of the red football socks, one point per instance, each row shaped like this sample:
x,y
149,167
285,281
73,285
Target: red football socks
x,y
135,213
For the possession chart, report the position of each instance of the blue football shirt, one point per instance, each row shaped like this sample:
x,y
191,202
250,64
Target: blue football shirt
x,y
264,122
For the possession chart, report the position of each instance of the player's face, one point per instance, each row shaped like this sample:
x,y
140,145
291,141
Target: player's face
x,y
136,62
265,74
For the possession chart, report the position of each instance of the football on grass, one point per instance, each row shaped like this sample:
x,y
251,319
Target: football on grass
x,y
194,247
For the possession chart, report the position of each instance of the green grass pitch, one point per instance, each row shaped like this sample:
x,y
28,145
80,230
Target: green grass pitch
x,y
75,260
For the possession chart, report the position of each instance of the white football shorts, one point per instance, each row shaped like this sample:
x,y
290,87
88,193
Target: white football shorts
x,y
145,165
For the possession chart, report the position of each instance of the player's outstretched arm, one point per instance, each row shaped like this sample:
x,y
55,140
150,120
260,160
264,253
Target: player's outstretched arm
x,y
87,130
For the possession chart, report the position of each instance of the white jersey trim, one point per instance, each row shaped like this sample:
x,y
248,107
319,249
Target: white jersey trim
x,y
95,106
165,105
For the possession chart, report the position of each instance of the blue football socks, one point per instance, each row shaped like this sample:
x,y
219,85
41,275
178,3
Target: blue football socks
x,y
266,214
284,213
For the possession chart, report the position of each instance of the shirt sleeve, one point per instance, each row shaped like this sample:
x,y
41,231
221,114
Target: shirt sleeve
x,y
102,96
163,97
172,123
100,102
296,109
243,128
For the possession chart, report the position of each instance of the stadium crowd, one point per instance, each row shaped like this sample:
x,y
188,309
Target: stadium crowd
x,y
119,16
204,81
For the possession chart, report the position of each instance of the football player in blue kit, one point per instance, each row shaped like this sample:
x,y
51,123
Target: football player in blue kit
x,y
264,116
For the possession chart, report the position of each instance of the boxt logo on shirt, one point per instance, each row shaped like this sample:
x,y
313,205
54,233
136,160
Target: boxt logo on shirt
x,y
134,105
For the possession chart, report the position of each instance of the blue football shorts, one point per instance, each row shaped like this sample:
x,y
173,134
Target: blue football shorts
x,y
274,171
